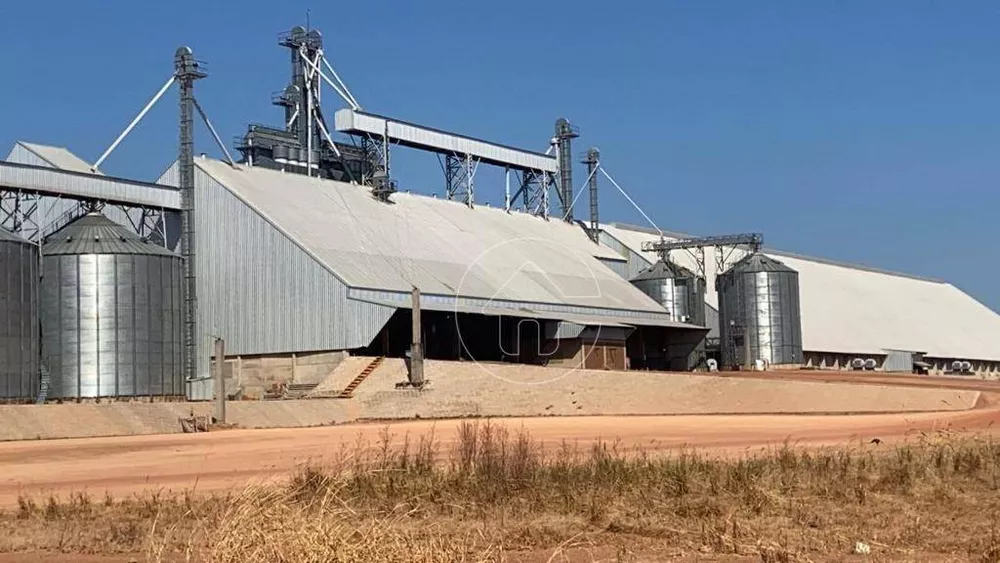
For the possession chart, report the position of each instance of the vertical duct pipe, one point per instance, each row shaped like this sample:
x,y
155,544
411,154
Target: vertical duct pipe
x,y
186,71
564,135
592,160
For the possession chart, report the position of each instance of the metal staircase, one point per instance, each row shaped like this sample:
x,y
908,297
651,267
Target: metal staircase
x,y
348,391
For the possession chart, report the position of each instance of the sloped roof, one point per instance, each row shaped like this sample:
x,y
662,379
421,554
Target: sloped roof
x,y
58,157
94,233
7,236
758,262
854,309
442,247
661,270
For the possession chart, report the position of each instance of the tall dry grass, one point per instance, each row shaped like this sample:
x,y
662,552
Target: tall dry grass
x,y
499,495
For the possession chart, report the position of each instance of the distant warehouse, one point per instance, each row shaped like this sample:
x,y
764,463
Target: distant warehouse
x,y
855,315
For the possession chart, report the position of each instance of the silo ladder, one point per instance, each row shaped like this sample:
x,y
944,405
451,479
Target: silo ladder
x,y
43,388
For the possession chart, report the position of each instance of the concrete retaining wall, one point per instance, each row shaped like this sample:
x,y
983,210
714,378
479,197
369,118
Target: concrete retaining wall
x,y
250,376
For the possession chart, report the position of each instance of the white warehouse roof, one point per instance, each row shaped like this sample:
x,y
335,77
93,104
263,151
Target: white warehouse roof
x,y
851,309
442,247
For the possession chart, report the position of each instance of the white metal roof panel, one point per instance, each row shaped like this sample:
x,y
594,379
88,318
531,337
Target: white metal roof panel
x,y
348,120
441,246
56,157
853,309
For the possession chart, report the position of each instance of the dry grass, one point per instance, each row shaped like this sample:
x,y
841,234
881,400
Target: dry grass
x,y
499,496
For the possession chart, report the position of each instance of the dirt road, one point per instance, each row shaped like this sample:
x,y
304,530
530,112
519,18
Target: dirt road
x,y
225,459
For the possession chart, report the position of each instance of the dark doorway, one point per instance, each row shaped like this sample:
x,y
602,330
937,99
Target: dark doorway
x,y
448,335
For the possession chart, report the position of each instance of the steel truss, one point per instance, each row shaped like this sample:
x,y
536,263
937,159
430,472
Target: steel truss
x,y
18,213
460,177
21,213
724,245
533,192
149,224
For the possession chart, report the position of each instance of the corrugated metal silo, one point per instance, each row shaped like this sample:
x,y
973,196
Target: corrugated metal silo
x,y
759,316
112,313
19,333
677,289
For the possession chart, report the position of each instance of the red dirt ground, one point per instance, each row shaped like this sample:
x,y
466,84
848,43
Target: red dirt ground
x,y
221,460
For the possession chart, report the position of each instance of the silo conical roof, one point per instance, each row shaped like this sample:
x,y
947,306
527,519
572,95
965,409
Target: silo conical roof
x,y
7,236
758,262
663,269
96,234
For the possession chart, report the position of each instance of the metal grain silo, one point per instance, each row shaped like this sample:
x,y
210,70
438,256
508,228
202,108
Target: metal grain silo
x,y
678,290
19,333
759,316
111,313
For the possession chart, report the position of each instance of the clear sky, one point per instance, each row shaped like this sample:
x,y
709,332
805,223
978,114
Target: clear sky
x,y
853,130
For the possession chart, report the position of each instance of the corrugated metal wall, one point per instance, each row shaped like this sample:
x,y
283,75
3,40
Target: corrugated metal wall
x,y
616,266
634,263
898,360
111,325
100,187
562,329
19,341
712,321
262,292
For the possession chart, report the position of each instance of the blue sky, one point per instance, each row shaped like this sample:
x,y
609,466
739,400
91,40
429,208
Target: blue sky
x,y
860,131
